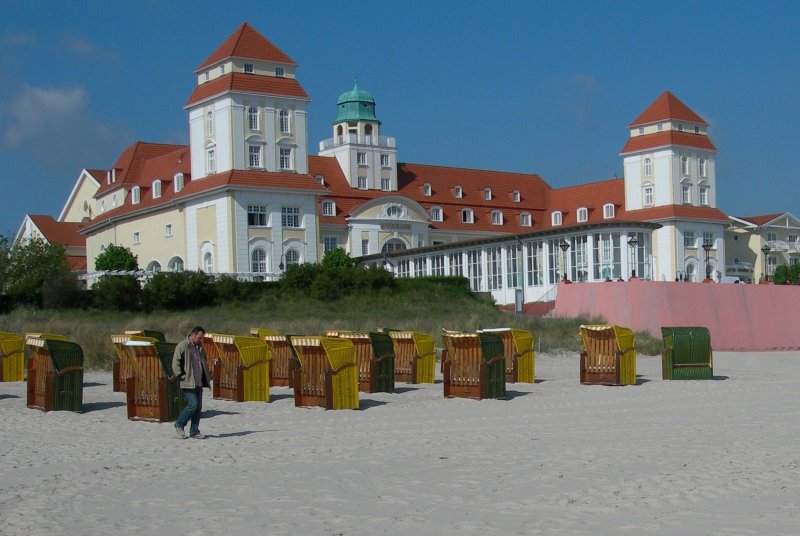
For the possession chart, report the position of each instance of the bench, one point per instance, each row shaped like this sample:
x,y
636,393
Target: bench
x,y
609,355
327,372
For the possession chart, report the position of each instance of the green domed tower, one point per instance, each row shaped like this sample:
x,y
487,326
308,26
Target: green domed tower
x,y
368,160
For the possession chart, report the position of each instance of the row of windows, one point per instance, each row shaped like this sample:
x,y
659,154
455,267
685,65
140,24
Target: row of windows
x,y
582,214
679,127
254,121
458,193
136,192
702,167
361,159
137,236
258,259
257,216
254,159
249,68
689,240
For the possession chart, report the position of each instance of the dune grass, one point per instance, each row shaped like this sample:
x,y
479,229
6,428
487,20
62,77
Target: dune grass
x,y
427,310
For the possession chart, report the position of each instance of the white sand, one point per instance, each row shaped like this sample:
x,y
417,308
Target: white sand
x,y
679,457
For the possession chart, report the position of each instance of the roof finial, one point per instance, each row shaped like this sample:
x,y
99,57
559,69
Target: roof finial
x,y
355,78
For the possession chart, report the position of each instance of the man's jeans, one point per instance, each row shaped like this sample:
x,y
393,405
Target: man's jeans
x,y
191,409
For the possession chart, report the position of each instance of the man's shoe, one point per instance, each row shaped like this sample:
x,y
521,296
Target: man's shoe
x,y
180,432
198,435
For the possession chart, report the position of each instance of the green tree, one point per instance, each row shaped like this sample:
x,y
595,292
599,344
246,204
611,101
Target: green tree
x,y
25,268
338,258
116,258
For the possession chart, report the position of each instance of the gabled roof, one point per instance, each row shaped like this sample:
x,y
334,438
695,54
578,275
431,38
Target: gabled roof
x,y
592,196
247,43
760,221
130,163
667,106
665,139
674,212
247,83
58,232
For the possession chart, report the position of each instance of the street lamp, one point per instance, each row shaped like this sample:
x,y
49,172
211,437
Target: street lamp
x,y
765,250
564,245
281,266
632,243
707,247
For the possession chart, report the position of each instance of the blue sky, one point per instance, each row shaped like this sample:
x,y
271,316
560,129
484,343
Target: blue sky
x,y
541,87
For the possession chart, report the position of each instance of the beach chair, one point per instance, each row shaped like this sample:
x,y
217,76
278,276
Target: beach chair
x,y
122,368
12,357
519,354
415,356
609,355
327,372
212,354
55,373
241,371
280,367
474,365
375,356
153,391
687,353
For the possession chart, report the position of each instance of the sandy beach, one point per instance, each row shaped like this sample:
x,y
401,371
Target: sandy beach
x,y
557,457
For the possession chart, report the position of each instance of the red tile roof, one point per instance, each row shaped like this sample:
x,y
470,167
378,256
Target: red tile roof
x,y
247,83
76,263
665,139
58,232
761,220
592,196
129,164
667,106
247,43
670,212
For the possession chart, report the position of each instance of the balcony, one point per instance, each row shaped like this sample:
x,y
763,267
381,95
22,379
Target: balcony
x,y
740,269
782,246
353,139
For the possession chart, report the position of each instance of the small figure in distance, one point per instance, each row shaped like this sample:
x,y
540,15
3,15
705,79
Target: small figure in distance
x,y
189,364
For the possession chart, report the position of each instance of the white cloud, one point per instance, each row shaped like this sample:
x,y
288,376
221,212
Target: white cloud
x,y
88,51
37,109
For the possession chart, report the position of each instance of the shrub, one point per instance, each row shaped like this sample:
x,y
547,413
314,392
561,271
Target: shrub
x,y
117,292
116,258
64,291
179,291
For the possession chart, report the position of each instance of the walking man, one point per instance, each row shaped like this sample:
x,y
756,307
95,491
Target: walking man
x,y
189,363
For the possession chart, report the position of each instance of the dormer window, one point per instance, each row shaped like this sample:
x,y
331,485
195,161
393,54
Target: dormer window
x,y
426,190
697,130
436,214
114,201
583,214
608,210
156,188
248,68
328,208
641,130
680,127
497,217
516,196
207,76
487,194
222,69
556,218
467,216
394,211
279,72
525,219
135,195
320,179
660,127
178,182
459,193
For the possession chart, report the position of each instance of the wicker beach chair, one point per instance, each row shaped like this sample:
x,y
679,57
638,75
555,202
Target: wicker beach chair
x,y
474,365
55,373
375,356
519,354
12,357
415,356
280,367
241,371
687,353
327,373
153,391
609,355
122,368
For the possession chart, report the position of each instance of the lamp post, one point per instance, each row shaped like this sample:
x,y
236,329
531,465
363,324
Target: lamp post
x,y
632,243
765,250
564,245
707,247
281,266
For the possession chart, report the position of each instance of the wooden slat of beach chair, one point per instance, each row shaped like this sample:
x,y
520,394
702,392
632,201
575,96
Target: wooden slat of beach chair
x,y
311,378
425,357
65,380
603,361
342,373
122,367
492,374
226,370
254,356
404,356
463,367
143,402
280,365
383,365
364,357
687,354
39,367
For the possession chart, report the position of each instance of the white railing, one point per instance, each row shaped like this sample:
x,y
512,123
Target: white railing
x,y
353,139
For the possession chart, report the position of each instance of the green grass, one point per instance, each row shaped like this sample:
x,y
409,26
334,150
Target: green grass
x,y
420,307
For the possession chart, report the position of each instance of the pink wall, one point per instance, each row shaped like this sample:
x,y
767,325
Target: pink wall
x,y
740,317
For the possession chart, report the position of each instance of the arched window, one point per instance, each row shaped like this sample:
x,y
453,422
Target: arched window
x,y
175,264
436,214
328,208
284,121
685,166
525,219
459,193
154,267
156,189
210,123
556,218
583,214
426,189
516,196
648,167
258,261
393,244
467,216
253,119
497,217
703,168
208,263
292,257
136,195
608,211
